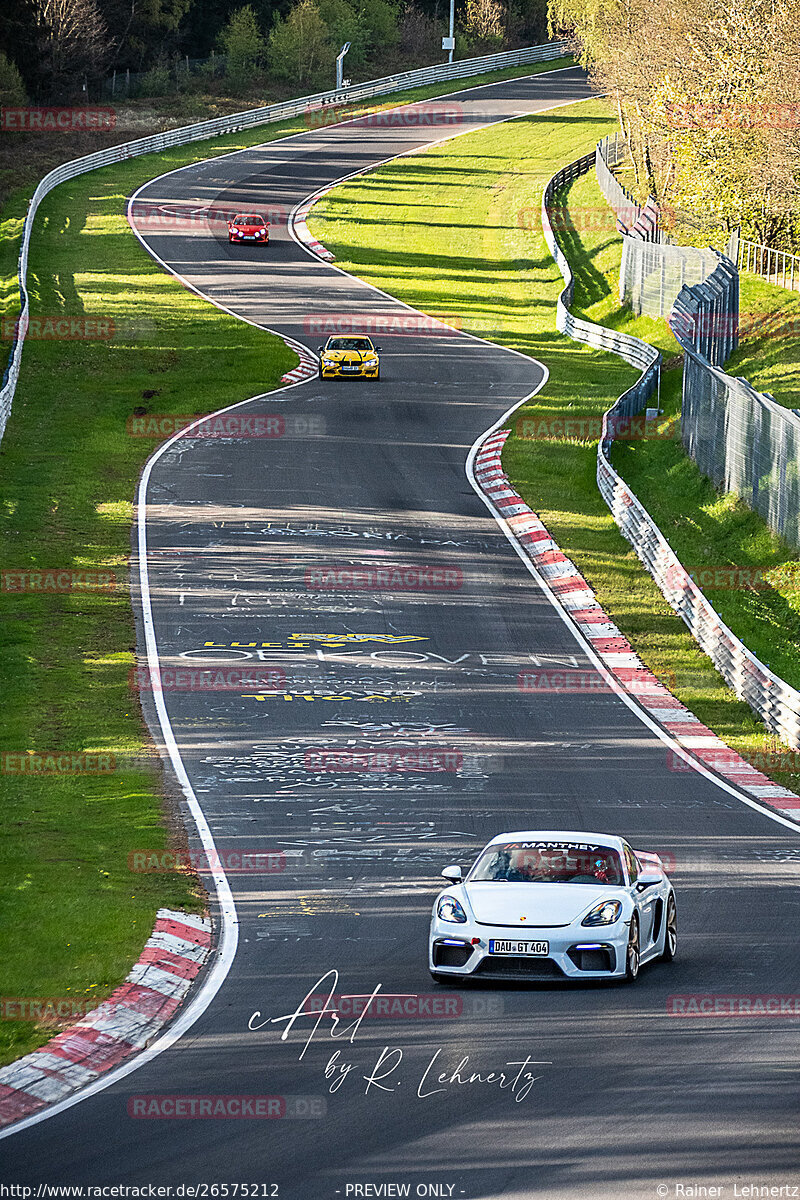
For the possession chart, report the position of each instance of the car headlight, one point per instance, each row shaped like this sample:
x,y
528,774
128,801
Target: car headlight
x,y
604,913
328,362
449,909
371,362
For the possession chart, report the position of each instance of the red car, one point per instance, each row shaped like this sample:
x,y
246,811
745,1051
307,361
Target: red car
x,y
248,227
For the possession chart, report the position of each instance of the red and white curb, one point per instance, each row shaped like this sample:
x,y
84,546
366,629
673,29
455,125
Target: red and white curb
x,y
123,1024
614,650
307,368
304,234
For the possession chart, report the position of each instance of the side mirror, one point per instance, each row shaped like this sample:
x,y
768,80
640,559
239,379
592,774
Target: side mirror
x,y
452,874
647,879
378,349
320,349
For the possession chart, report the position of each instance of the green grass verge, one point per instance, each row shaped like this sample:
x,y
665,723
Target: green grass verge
x,y
497,277
74,917
769,340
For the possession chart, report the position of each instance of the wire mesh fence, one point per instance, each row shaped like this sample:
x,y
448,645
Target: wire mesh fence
x,y
173,72
740,438
652,271
610,153
706,315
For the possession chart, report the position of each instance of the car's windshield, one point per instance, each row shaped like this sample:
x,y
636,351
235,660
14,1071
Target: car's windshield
x,y
548,862
254,220
355,343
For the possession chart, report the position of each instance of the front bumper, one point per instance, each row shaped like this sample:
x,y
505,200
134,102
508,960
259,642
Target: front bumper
x,y
575,952
361,372
243,237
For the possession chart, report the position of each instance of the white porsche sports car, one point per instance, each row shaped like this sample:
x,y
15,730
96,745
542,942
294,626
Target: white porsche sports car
x,y
553,905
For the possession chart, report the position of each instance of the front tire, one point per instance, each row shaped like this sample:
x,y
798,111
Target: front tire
x,y
671,932
632,956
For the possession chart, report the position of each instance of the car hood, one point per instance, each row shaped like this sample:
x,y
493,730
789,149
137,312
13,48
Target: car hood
x,y
348,356
247,228
535,905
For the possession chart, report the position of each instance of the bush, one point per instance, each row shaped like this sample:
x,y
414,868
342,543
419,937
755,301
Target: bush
x,y
12,89
420,36
157,81
483,29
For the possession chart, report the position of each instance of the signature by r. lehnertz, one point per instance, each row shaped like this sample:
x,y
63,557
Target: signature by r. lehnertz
x,y
385,1073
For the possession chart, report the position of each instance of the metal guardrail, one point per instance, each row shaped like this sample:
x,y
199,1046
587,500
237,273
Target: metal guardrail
x,y
235,123
774,700
633,350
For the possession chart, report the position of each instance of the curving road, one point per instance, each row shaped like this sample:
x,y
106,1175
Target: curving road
x,y
242,534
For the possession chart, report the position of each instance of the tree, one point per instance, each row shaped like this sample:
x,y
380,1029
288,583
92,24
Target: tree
x,y
73,45
300,46
244,48
527,21
144,30
484,24
419,35
16,22
707,94
12,89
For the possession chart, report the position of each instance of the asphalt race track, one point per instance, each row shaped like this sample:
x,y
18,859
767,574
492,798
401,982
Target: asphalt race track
x,y
240,533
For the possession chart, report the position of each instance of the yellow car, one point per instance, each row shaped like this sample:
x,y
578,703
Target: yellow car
x,y
349,358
